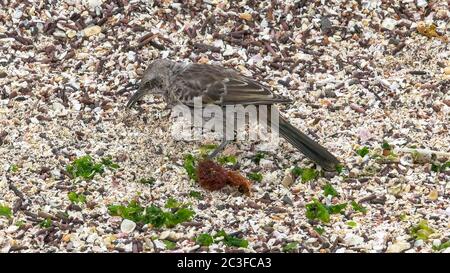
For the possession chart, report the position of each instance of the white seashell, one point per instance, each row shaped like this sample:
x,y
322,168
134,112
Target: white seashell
x,y
58,107
76,105
164,235
436,242
34,120
59,33
60,26
447,211
127,226
311,241
270,178
159,244
228,51
398,247
91,238
422,3
418,243
17,14
341,250
12,229
94,3
353,240
370,4
71,33
389,23
165,54
266,164
131,55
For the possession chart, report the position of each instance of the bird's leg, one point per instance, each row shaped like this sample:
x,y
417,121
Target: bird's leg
x,y
222,146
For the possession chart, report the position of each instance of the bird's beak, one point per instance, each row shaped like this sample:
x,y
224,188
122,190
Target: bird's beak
x,y
136,96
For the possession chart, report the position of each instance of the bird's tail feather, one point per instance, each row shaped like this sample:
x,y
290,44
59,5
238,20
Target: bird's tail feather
x,y
307,146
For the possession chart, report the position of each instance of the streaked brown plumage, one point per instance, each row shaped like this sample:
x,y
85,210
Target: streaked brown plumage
x,y
181,83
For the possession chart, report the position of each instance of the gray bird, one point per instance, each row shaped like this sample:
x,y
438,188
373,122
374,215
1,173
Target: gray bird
x,y
181,82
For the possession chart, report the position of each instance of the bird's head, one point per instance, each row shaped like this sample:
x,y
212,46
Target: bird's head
x,y
154,80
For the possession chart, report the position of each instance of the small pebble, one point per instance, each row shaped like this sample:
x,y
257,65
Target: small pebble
x,y
389,23
398,247
91,31
287,200
447,70
246,16
287,180
433,195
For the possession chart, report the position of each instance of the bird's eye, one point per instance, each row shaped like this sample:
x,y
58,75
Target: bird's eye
x,y
148,84
158,83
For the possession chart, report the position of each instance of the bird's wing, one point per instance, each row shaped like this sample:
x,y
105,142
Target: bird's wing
x,y
222,86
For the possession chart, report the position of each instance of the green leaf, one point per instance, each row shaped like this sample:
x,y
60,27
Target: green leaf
x,y
147,181
339,168
155,216
84,167
446,166
229,159
196,195
133,211
236,242
336,209
403,217
309,174
5,211
306,174
46,223
76,198
172,203
417,157
230,240
204,239
421,231
13,168
257,158
290,247
442,246
152,214
19,223
180,216
319,230
107,161
317,210
220,233
255,176
363,151
435,167
352,224
386,146
205,150
297,171
329,190
189,166
170,245
358,207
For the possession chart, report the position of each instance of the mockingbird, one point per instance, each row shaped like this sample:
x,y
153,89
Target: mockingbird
x,y
181,82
